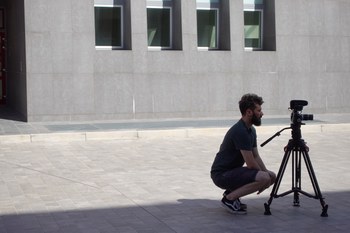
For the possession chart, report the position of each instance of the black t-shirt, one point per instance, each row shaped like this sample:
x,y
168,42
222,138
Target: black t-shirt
x,y
239,137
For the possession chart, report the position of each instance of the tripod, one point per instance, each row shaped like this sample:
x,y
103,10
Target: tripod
x,y
298,149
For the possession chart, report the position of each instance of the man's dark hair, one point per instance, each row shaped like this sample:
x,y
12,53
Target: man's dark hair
x,y
248,101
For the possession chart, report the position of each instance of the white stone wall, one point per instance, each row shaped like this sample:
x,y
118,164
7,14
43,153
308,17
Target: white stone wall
x,y
68,79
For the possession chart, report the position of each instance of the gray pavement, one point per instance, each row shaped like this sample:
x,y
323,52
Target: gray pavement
x,y
157,180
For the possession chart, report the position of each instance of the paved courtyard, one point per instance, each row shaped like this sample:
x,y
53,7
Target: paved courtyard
x,y
161,184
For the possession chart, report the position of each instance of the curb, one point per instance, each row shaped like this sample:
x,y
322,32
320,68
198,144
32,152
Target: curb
x,y
145,134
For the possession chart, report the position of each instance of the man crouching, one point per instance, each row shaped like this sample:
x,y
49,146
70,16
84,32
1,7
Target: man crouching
x,y
238,147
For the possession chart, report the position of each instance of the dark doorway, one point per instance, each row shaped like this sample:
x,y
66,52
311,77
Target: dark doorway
x,y
2,57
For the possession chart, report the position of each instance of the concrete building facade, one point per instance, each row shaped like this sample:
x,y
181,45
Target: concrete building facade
x,y
57,70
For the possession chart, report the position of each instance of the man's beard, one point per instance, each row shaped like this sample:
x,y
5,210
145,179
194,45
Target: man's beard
x,y
256,121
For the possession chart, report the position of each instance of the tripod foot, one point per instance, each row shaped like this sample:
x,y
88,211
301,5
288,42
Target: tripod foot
x,y
296,203
324,211
267,209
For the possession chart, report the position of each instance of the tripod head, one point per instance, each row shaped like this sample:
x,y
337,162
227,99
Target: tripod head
x,y
296,106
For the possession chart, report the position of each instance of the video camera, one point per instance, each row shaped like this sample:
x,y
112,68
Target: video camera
x,y
297,107
296,117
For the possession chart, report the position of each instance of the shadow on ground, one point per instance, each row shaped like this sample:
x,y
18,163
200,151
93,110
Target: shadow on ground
x,y
190,215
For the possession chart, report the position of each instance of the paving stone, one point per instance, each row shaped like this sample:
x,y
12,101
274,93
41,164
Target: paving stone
x,y
161,184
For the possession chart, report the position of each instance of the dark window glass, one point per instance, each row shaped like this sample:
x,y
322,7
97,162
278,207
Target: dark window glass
x,y
108,26
252,29
158,27
207,28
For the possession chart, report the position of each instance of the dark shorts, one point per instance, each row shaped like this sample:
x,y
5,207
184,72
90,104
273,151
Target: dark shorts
x,y
235,178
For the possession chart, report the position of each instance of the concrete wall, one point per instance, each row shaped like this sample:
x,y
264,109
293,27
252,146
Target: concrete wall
x,y
68,79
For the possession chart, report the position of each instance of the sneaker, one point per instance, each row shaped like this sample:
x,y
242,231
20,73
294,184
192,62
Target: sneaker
x,y
233,206
243,206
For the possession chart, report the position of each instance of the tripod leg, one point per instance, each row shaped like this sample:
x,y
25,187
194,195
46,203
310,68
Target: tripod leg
x,y
277,182
314,182
296,176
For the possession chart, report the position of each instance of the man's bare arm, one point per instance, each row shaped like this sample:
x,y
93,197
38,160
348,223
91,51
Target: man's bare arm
x,y
258,159
250,160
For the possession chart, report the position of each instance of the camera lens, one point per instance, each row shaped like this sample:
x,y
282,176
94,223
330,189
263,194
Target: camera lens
x,y
307,117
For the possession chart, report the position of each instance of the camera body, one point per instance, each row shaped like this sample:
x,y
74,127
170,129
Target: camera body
x,y
296,116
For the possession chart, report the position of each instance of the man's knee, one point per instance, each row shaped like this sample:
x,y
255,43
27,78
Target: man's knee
x,y
272,177
263,178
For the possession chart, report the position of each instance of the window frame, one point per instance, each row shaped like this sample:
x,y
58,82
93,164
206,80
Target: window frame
x,y
112,47
261,32
217,30
170,28
254,6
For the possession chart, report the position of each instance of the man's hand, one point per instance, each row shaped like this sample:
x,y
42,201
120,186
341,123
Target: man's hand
x,y
260,191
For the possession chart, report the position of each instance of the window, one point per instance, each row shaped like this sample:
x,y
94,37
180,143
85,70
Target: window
x,y
207,28
164,30
259,25
253,29
159,29
213,25
108,26
112,24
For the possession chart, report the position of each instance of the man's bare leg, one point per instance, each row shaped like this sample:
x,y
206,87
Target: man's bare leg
x,y
262,182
